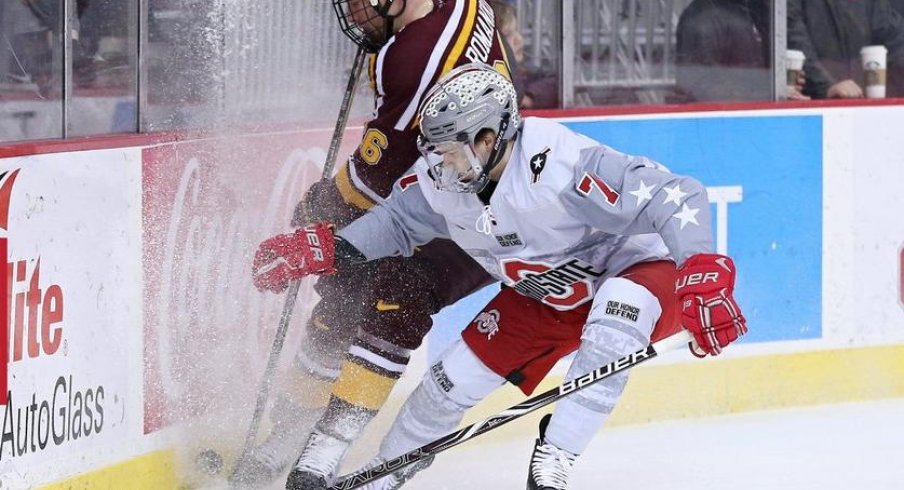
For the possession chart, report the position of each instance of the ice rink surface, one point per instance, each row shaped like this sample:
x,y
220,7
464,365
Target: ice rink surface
x,y
836,447
851,446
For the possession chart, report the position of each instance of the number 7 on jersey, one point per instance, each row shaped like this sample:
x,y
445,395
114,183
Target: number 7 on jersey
x,y
590,181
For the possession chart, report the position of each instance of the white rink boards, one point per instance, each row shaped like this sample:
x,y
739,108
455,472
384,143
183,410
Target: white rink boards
x,y
143,240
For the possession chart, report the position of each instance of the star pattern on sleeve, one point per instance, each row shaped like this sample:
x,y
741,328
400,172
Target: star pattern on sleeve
x,y
675,194
643,193
687,215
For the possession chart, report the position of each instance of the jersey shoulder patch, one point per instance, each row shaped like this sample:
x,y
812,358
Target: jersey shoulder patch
x,y
408,181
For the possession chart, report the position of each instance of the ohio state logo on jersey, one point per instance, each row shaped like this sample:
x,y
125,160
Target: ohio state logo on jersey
x,y
563,286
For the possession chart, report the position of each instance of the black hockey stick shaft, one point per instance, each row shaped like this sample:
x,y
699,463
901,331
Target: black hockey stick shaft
x,y
344,110
292,292
543,399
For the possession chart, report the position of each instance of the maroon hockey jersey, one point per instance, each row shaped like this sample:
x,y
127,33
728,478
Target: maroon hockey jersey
x,y
456,32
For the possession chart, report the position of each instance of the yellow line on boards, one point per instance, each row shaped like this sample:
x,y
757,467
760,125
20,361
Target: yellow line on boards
x,y
719,387
152,471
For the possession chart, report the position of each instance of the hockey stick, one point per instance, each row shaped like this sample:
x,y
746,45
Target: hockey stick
x,y
344,110
292,292
451,440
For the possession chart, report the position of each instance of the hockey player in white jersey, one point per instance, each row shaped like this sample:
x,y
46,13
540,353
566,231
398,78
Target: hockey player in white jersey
x,y
598,251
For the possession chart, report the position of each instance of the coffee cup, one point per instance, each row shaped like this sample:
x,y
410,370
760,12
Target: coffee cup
x,y
874,59
794,66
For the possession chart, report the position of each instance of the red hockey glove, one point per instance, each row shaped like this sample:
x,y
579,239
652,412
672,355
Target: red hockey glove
x,y
285,258
708,309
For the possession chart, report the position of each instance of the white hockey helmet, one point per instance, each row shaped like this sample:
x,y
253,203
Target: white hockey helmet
x,y
463,103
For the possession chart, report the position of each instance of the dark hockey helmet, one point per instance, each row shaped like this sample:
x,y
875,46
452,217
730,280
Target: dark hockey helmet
x,y
460,106
367,22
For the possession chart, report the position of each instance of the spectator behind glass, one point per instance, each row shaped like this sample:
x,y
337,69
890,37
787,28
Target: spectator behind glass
x,y
32,44
724,51
831,33
537,89
512,40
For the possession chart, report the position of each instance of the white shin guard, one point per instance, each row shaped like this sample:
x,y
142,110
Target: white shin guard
x,y
457,382
620,322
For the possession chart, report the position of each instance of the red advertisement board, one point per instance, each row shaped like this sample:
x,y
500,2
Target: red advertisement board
x,y
206,204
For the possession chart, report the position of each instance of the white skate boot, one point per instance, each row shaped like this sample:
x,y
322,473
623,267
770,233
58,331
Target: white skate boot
x,y
549,465
272,458
319,461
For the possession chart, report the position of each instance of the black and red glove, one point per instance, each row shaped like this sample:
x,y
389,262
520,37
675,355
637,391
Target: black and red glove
x,y
282,259
708,309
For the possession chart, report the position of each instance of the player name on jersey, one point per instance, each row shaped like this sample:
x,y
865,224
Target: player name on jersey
x,y
481,45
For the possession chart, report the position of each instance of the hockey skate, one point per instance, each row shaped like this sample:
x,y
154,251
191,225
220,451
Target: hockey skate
x,y
319,461
549,465
272,458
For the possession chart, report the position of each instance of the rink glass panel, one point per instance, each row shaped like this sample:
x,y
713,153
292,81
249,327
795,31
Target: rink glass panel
x,y
31,70
105,69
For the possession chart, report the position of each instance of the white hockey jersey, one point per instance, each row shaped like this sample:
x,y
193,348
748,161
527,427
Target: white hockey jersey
x,y
566,214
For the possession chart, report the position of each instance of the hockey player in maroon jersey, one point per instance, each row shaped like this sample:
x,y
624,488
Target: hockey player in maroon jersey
x,y
601,252
382,309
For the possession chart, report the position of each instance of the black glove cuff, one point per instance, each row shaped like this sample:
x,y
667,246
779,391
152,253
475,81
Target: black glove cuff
x,y
346,253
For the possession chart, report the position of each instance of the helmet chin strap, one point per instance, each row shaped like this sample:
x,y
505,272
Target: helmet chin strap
x,y
499,144
384,12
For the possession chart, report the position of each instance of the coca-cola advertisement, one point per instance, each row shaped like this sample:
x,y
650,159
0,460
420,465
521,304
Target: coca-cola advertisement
x,y
206,205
